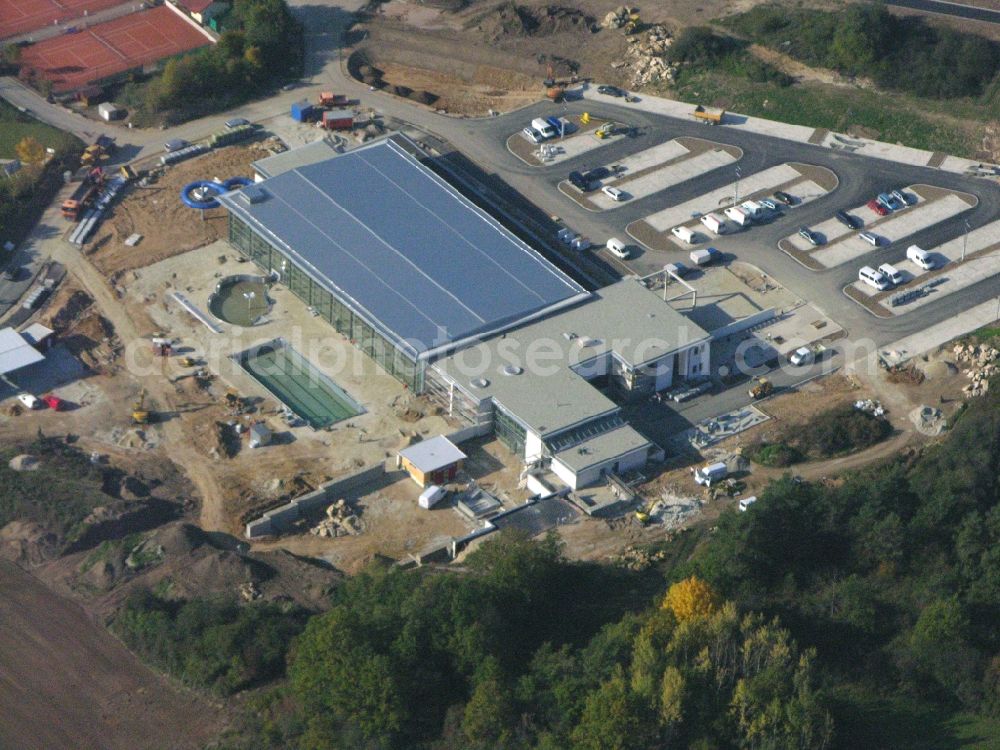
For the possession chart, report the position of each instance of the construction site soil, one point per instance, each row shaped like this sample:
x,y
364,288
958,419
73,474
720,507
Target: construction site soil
x,y
168,227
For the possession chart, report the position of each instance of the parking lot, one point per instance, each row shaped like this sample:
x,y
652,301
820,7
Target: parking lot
x,y
654,169
838,244
803,182
981,249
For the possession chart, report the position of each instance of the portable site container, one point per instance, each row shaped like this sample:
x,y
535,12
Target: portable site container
x,y
738,215
338,119
303,111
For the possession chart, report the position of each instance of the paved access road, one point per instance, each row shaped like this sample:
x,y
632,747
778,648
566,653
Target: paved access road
x,y
950,9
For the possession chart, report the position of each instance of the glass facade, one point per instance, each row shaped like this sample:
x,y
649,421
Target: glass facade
x,y
511,434
335,312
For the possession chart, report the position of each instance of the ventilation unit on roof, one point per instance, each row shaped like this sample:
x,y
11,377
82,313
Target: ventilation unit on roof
x,y
253,194
511,370
587,341
569,336
480,382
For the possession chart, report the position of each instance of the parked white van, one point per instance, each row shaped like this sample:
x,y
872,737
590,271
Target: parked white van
x,y
920,256
714,222
544,127
738,215
618,248
683,234
747,502
891,273
873,278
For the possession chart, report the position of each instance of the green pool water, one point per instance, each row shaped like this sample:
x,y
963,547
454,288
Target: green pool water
x,y
293,380
230,302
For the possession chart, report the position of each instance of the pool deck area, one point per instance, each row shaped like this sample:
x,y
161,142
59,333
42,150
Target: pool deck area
x,y
362,439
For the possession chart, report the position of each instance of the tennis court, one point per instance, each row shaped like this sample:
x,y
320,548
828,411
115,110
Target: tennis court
x,y
72,61
22,16
293,380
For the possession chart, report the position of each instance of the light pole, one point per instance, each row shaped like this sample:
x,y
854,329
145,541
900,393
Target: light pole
x,y
249,297
965,241
736,191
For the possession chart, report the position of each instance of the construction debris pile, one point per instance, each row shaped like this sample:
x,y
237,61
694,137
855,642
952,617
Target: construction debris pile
x,y
672,510
982,366
928,420
340,521
872,407
638,558
620,17
644,58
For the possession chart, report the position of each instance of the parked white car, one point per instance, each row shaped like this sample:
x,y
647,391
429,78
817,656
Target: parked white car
x,y
533,135
618,248
920,257
872,239
873,278
29,401
613,193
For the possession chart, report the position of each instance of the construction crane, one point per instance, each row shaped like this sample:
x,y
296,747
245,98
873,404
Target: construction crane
x,y
140,414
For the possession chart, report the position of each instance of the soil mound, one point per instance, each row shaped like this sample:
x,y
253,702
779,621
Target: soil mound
x,y
510,20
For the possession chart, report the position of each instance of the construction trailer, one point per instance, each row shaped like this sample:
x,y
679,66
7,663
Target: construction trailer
x,y
303,112
329,99
110,111
338,119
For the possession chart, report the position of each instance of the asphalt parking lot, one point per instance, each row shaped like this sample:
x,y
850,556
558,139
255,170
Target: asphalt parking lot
x,y
858,179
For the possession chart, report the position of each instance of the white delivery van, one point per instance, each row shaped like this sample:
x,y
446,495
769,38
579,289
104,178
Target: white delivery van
x,y
544,127
431,496
747,502
618,248
711,473
873,278
714,222
891,273
683,234
705,256
920,256
753,208
738,215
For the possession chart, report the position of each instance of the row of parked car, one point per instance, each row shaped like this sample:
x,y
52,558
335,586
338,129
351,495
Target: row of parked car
x,y
886,276
543,129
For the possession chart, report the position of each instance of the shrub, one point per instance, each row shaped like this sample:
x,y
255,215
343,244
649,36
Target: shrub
x,y
843,429
773,454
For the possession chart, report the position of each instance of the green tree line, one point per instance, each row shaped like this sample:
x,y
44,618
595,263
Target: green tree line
x,y
899,53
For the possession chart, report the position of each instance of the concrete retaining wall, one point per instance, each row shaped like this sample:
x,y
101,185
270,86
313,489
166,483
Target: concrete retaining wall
x,y
279,519
470,432
744,324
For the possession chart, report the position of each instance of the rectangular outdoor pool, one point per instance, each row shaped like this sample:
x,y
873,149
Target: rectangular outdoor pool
x,y
293,380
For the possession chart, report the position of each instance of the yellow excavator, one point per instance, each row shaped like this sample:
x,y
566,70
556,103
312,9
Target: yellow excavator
x,y
140,414
761,388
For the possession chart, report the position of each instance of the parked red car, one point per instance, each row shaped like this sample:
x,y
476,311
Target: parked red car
x,y
54,402
877,207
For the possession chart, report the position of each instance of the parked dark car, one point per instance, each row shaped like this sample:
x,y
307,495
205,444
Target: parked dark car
x,y
809,236
784,197
851,222
610,90
577,180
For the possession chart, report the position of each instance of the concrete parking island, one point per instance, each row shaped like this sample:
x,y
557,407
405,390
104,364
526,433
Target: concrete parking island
x,y
982,261
579,139
929,205
804,182
655,169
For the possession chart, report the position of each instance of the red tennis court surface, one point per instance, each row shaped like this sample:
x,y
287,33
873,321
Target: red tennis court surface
x,y
72,61
21,16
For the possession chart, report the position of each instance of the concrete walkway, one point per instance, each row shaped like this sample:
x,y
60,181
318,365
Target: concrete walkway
x,y
803,134
924,341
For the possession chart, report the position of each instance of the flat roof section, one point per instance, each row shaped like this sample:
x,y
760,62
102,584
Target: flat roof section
x,y
603,448
625,319
15,352
311,153
432,454
405,248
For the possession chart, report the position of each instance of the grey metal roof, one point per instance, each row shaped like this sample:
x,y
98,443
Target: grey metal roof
x,y
602,448
403,247
317,151
432,454
15,352
625,319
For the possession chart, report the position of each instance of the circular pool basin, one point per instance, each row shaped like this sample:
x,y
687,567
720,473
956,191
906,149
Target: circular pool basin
x,y
240,300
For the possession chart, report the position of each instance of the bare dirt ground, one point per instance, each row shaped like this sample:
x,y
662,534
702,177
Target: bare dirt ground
x,y
491,88
69,684
167,226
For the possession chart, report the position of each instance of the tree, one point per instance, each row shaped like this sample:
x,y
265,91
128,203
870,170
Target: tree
x,y
614,718
30,151
690,598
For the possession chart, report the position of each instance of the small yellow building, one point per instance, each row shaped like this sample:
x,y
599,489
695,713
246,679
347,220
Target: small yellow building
x,y
432,461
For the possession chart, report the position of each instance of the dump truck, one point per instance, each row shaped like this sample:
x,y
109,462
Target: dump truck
x,y
761,388
329,99
140,414
84,195
709,115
